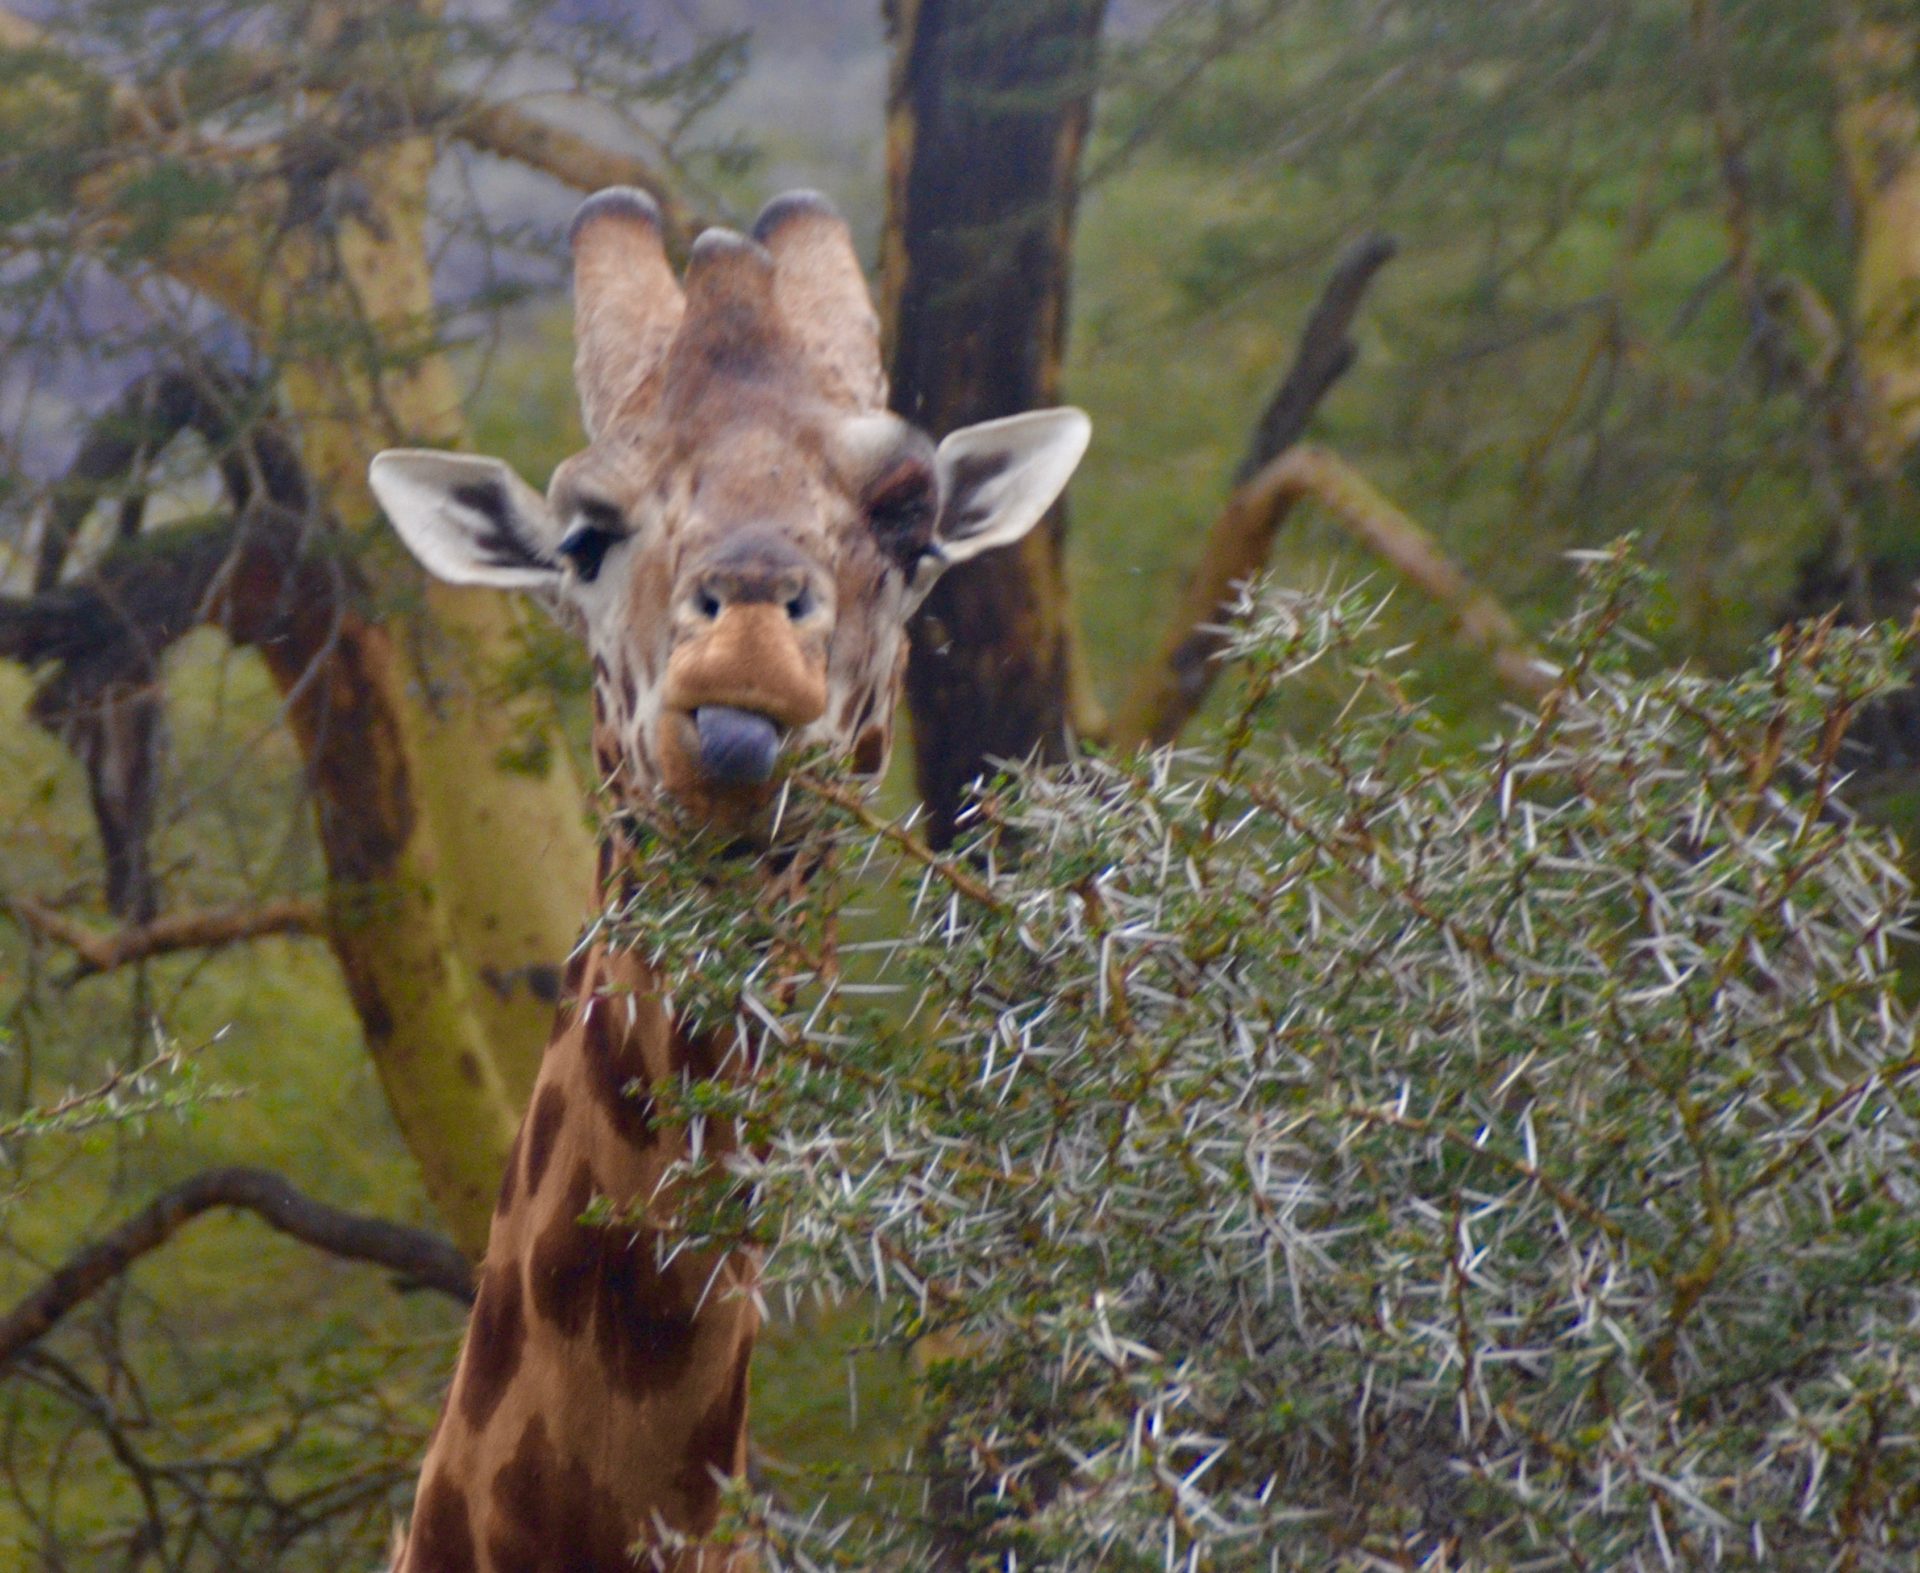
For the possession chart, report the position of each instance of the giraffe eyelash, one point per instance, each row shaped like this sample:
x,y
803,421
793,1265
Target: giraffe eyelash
x,y
599,529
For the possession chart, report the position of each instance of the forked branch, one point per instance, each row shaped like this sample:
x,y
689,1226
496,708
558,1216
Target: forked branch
x,y
418,1256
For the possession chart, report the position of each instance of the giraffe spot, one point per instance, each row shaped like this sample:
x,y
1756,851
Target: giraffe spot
x,y
551,1517
715,1443
642,1321
510,1176
545,982
495,1339
700,1056
543,1130
441,1540
565,1259
615,1061
858,711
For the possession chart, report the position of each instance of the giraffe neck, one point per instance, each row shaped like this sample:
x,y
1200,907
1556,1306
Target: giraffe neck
x,y
598,1395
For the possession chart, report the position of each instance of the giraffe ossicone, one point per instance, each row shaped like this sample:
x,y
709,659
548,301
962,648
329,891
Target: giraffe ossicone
x,y
740,544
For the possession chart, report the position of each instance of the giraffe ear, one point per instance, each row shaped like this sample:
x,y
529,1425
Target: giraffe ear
x,y
469,520
998,479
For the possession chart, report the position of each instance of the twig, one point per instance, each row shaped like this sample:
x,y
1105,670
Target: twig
x,y
417,1255
954,873
196,929
56,1113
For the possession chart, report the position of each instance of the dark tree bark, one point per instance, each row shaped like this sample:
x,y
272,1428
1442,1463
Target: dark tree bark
x,y
104,702
271,575
987,117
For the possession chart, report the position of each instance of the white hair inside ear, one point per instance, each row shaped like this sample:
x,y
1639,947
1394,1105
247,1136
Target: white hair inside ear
x,y
470,520
999,478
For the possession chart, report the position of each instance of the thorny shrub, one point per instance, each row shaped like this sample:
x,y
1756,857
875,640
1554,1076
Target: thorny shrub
x,y
1376,1151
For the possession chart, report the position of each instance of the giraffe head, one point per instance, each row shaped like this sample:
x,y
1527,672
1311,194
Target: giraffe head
x,y
748,530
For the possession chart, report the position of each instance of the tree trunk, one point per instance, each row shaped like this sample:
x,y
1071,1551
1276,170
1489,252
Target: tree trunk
x,y
444,871
492,877
987,116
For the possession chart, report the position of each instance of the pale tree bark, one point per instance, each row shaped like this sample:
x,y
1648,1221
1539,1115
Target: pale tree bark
x,y
514,854
1879,138
445,871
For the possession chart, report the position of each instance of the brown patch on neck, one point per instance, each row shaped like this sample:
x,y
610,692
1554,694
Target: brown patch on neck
x,y
642,1320
495,1340
549,1515
870,751
542,1131
610,1040
718,1444
441,1539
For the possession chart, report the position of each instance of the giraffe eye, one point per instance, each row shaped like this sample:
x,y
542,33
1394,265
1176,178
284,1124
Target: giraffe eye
x,y
585,546
901,511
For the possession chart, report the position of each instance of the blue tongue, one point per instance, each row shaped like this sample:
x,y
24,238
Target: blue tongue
x,y
736,746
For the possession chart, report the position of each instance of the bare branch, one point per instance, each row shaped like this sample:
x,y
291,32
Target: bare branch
x,y
253,454
418,1256
106,631
566,156
1169,688
195,929
1324,354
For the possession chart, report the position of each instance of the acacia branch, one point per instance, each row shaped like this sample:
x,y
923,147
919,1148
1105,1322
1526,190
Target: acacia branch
x,y
196,929
1479,620
1170,687
418,1256
949,869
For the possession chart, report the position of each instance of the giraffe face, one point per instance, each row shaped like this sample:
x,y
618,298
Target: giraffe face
x,y
746,534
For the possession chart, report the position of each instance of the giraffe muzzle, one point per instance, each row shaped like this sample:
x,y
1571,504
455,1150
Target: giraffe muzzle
x,y
737,747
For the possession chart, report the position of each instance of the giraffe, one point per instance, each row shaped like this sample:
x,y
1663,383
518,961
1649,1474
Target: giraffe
x,y
740,545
